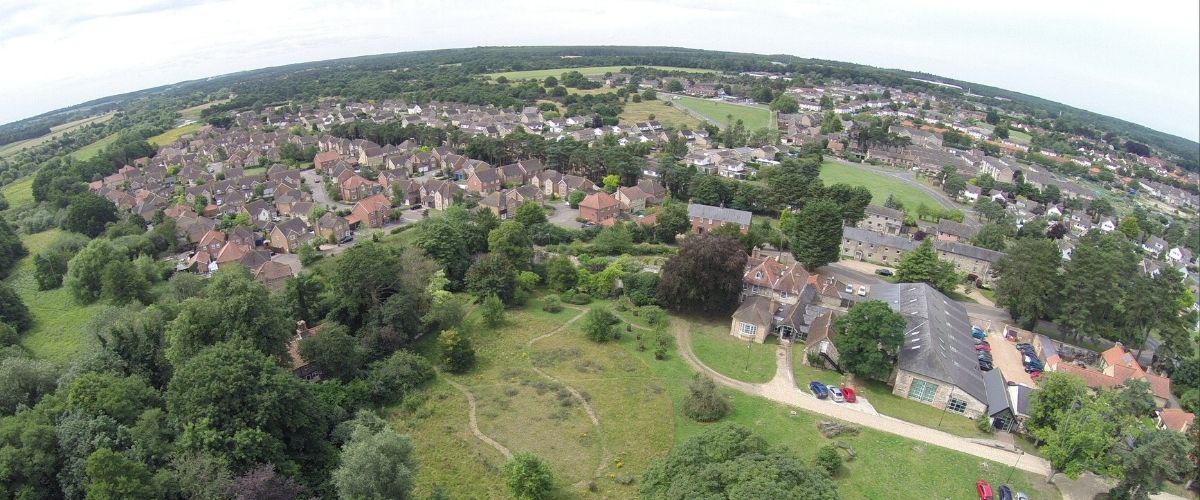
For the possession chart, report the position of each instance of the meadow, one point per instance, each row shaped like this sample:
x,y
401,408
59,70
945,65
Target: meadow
x,y
173,134
87,152
717,112
668,116
19,193
880,185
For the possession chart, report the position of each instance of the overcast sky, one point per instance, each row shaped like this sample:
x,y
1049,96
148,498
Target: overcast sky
x,y
1139,61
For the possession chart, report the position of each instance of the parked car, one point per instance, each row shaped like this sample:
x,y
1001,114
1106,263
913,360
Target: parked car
x,y
1005,492
1020,496
848,393
984,347
884,272
977,332
984,490
818,389
1033,375
836,395
985,365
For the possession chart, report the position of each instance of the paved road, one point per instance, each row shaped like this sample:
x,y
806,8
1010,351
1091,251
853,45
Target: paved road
x,y
911,178
320,197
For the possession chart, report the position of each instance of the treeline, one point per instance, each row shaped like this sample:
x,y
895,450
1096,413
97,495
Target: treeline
x,y
390,133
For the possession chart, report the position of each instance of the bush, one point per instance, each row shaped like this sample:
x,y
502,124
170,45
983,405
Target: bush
x,y
390,380
598,325
984,424
577,298
829,459
660,346
551,304
457,352
653,315
703,403
492,311
528,477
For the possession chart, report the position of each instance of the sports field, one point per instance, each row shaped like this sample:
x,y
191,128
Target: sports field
x,y
718,112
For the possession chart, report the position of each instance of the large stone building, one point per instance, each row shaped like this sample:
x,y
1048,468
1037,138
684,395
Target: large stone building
x,y
860,244
882,220
937,363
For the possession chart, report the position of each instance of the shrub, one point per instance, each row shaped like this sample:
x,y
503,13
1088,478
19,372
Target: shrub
x,y
528,477
984,424
703,403
551,304
579,298
829,459
660,346
492,311
653,315
598,325
457,353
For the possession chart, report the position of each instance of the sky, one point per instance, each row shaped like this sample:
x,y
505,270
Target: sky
x,y
1139,61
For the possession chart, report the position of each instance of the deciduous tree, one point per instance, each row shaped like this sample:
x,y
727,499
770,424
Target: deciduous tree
x,y
706,275
868,339
923,265
375,464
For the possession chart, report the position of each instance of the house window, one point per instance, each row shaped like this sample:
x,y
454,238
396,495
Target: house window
x,y
758,275
749,330
957,405
921,390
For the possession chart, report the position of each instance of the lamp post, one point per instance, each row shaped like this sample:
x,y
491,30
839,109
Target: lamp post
x,y
946,407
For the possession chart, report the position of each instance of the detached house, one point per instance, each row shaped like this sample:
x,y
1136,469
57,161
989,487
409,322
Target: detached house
x,y
289,235
706,218
372,211
358,187
597,207
484,181
330,225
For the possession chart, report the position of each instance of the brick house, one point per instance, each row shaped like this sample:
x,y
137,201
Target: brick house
x,y
597,207
706,218
372,211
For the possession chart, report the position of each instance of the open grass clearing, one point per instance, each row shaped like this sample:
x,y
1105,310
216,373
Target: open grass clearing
x,y
668,116
586,71
193,113
173,134
880,185
524,410
717,112
58,321
888,466
55,131
733,357
19,193
87,152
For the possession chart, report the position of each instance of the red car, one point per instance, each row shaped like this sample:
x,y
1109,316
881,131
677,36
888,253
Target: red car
x,y
848,393
983,489
983,348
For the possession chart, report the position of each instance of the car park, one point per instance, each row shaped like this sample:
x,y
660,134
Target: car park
x,y
984,347
848,393
984,490
836,395
818,389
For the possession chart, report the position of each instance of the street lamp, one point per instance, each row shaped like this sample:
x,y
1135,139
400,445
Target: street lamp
x,y
948,399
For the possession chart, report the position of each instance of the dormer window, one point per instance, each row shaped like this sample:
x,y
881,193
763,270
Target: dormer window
x,y
758,275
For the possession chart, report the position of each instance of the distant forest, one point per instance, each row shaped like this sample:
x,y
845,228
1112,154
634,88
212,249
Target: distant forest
x,y
451,74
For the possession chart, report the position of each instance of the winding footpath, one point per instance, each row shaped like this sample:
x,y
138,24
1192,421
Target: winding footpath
x,y
474,424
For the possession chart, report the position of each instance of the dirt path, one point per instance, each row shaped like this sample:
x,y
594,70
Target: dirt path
x,y
474,424
587,407
783,389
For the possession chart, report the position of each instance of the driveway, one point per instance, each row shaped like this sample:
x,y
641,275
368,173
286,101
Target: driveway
x,y
313,180
561,214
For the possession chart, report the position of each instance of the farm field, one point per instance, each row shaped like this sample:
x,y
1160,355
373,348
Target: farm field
x,y
881,185
58,322
586,71
637,400
55,131
173,134
668,116
19,193
94,148
754,117
193,113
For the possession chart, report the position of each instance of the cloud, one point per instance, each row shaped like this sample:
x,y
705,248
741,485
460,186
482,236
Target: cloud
x,y
1138,62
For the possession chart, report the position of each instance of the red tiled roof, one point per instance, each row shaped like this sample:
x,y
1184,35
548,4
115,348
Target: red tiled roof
x,y
599,201
1176,419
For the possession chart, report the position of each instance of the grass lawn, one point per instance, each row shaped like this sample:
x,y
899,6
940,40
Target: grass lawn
x,y
887,466
58,322
94,148
730,356
587,71
668,116
881,185
19,193
173,134
754,117
1019,137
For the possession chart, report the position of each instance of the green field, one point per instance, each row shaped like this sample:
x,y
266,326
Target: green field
x,y
19,193
637,401
193,113
55,131
87,152
173,134
717,112
1019,137
587,71
668,116
881,185
733,357
58,321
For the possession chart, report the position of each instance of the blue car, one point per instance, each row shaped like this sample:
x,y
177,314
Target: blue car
x,y
818,389
977,332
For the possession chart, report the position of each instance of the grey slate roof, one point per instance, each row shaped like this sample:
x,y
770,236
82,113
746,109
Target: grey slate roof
x,y
937,337
756,310
874,238
884,212
971,251
997,393
740,217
